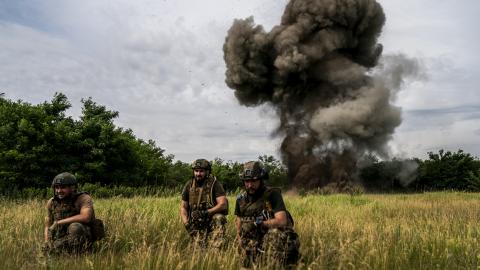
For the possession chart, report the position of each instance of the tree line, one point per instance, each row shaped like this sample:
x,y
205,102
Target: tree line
x,y
39,141
444,170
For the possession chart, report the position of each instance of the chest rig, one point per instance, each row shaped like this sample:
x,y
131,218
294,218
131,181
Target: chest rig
x,y
62,209
250,209
200,197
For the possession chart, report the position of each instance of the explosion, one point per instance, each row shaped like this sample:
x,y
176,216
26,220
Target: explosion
x,y
315,70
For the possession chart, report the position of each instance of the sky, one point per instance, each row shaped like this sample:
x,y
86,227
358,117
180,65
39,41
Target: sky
x,y
159,63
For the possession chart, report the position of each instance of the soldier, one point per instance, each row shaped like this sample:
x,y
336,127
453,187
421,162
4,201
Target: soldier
x,y
70,219
264,226
204,207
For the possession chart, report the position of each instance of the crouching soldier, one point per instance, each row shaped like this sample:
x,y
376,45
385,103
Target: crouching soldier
x,y
264,226
70,226
204,207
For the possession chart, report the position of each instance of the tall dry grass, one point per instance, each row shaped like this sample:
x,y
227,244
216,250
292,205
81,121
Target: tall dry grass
x,y
421,231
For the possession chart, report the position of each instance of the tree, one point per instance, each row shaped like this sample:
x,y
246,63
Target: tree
x,y
389,175
447,170
276,170
39,141
227,173
30,140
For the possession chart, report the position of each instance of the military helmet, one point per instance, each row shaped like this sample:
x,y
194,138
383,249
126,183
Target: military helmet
x,y
65,179
253,170
201,163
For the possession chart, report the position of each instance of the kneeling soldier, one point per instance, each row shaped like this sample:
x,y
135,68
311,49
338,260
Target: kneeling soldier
x,y
204,207
264,226
69,225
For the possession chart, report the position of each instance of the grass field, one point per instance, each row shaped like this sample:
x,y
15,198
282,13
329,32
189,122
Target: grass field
x,y
419,231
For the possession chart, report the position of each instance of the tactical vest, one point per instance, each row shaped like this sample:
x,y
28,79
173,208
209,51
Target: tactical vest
x,y
249,211
62,209
201,198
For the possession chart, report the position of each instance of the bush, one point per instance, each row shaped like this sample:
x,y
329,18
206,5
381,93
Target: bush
x,y
449,171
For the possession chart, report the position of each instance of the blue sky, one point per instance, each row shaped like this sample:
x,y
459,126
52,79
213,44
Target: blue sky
x,y
160,64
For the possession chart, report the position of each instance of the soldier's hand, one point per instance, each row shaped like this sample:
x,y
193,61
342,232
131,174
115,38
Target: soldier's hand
x,y
195,214
199,214
53,226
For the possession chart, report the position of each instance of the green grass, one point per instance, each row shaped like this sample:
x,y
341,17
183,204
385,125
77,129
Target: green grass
x,y
419,231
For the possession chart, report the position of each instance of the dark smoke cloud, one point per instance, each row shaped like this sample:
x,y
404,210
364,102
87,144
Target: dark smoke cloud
x,y
314,69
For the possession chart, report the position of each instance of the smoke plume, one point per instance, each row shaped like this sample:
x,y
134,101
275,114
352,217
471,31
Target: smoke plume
x,y
315,70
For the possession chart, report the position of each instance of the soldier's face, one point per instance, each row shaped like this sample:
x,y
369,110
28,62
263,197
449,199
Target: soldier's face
x,y
63,191
199,174
251,185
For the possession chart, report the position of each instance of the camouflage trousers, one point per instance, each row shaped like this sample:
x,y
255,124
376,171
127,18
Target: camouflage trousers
x,y
72,238
210,234
276,247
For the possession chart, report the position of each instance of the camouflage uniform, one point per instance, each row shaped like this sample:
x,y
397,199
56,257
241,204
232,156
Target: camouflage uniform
x,y
73,237
205,230
273,246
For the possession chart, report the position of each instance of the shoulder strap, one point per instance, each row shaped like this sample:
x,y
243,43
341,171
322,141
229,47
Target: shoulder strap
x,y
53,204
190,183
199,197
243,197
210,195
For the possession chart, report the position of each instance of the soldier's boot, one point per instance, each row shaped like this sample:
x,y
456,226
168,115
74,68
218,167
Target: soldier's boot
x,y
217,239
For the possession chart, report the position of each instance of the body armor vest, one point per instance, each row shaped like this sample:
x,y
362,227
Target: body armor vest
x,y
249,210
62,209
201,198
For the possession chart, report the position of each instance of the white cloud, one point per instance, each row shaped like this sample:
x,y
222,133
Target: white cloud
x,y
160,64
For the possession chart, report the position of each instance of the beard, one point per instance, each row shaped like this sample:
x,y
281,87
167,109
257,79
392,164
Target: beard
x,y
200,178
255,192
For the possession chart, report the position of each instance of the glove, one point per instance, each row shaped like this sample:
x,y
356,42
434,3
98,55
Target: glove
x,y
258,221
199,214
